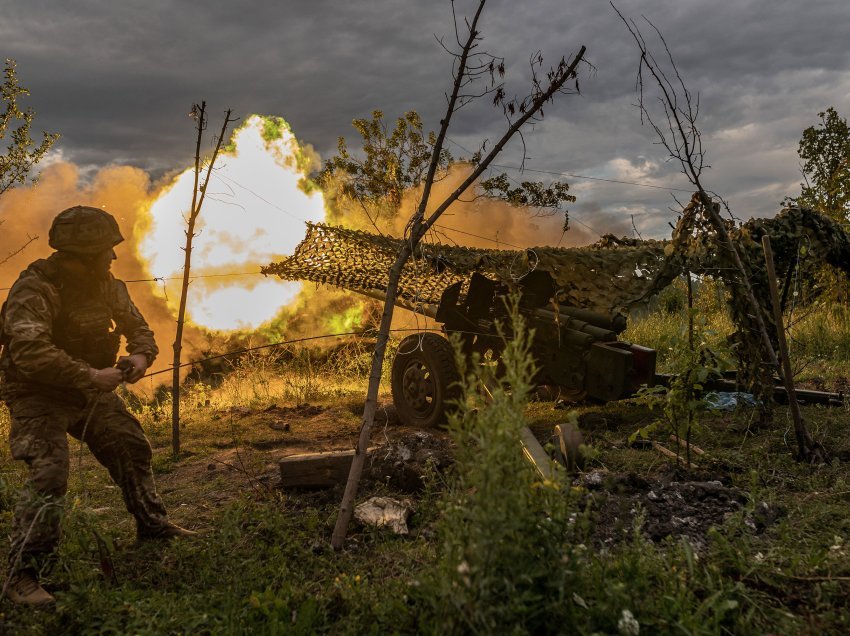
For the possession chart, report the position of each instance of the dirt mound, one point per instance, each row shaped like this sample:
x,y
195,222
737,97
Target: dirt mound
x,y
667,508
405,461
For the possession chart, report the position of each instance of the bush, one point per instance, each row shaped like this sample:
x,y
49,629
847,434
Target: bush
x,y
504,540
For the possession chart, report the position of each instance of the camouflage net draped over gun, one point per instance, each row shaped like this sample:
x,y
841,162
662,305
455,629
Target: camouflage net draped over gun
x,y
604,278
610,276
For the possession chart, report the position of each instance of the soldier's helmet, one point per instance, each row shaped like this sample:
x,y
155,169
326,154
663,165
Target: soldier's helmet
x,y
84,230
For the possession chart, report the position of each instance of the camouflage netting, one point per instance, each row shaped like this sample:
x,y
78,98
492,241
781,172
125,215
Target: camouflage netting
x,y
610,276
605,278
795,234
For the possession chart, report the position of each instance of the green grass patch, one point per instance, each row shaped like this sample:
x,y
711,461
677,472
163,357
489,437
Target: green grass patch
x,y
493,548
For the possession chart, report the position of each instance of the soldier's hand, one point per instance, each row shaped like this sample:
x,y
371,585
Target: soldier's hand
x,y
106,379
133,366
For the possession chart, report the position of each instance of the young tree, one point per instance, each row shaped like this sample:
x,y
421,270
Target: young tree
x,y
391,163
20,153
394,162
471,66
199,114
825,152
677,130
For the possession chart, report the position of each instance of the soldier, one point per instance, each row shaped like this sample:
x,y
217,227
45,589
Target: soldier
x,y
61,330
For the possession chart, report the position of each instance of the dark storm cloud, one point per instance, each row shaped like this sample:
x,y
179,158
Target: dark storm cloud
x,y
117,78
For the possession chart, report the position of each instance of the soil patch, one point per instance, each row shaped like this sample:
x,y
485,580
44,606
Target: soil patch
x,y
666,507
406,460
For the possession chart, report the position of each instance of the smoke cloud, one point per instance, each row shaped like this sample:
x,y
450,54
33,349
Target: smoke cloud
x,y
129,193
125,192
477,221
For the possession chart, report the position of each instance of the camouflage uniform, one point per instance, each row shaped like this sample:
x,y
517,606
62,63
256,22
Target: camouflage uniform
x,y
54,331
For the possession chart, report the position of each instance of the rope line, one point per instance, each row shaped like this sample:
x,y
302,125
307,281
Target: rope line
x,y
364,332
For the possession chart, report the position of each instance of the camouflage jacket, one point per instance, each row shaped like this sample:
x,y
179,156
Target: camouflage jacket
x,y
32,359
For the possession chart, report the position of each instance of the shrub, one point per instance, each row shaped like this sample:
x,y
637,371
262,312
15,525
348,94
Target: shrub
x,y
505,549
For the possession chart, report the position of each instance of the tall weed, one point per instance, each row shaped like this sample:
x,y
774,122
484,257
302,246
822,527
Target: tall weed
x,y
662,324
818,333
505,549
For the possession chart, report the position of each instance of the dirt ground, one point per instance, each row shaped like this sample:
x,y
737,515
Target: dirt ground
x,y
241,448
669,501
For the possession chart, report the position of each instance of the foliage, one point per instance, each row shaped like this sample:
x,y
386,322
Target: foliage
x,y
660,326
392,161
21,153
821,335
502,527
672,299
681,404
531,194
825,152
263,566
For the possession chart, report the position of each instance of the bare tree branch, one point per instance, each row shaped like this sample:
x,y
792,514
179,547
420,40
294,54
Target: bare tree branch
x,y
683,141
198,112
10,255
417,226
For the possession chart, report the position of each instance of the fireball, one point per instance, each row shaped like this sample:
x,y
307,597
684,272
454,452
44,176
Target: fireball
x,y
258,200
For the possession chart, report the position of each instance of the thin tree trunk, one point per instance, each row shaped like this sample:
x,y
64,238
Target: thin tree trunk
x,y
197,203
418,227
178,337
352,484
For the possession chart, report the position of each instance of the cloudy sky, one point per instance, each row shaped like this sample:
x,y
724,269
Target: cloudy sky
x,y
117,79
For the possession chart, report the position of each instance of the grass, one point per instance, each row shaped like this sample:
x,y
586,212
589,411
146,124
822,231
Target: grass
x,y
263,565
818,336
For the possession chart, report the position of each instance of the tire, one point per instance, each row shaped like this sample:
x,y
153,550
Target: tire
x,y
425,380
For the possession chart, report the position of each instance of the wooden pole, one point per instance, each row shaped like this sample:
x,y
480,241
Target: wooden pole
x,y
804,440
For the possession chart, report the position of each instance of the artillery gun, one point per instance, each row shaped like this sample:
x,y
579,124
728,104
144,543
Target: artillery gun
x,y
575,350
570,297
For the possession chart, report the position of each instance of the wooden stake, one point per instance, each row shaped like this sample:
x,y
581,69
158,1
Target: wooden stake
x,y
804,440
666,451
682,444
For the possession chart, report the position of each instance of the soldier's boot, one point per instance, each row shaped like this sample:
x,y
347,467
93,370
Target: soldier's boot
x,y
166,532
23,588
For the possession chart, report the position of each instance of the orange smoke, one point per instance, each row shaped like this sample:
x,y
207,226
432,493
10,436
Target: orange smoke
x,y
123,191
489,223
258,201
263,205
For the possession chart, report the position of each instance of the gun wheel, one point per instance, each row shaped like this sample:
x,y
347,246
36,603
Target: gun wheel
x,y
424,380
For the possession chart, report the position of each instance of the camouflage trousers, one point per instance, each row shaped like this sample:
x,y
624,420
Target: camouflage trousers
x,y
39,436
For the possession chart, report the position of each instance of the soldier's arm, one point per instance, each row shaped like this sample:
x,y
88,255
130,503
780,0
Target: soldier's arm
x,y
30,310
132,324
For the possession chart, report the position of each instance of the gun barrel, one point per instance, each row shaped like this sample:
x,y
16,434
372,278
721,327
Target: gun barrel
x,y
598,333
616,323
